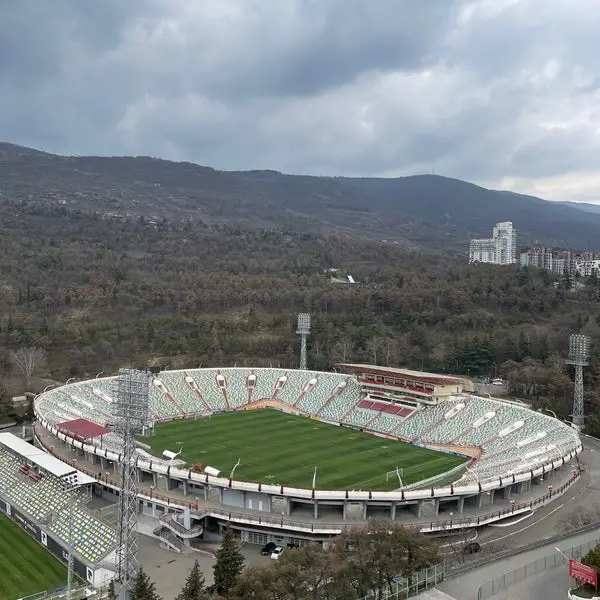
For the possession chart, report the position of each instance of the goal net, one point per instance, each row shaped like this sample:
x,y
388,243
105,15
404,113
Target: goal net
x,y
396,474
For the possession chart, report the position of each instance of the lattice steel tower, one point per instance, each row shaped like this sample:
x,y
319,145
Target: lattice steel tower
x,y
303,330
579,354
131,413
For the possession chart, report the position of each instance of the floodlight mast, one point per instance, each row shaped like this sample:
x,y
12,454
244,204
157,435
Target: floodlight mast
x,y
131,414
579,354
303,330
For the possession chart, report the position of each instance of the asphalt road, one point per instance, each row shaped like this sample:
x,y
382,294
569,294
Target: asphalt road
x,y
553,583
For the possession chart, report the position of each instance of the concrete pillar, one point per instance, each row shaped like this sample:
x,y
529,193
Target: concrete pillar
x,y
506,492
364,511
418,508
206,492
288,507
436,507
393,511
220,495
315,509
185,487
460,505
154,480
481,499
187,519
345,510
102,463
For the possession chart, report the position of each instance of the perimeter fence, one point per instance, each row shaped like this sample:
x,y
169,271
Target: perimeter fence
x,y
550,561
401,588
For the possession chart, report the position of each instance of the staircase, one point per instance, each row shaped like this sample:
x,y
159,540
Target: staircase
x,y
174,525
168,539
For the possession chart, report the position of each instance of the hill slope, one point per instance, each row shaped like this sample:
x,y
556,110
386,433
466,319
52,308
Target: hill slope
x,y
426,211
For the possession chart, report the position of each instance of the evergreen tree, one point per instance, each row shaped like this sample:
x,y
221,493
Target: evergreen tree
x,y
143,588
229,565
112,595
195,586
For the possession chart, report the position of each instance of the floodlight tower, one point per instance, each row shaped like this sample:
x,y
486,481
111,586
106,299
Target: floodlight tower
x,y
303,330
579,354
131,414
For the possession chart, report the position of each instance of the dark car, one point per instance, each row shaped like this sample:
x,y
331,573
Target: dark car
x,y
268,549
471,548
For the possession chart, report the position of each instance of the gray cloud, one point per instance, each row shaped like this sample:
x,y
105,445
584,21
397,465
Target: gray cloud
x,y
502,92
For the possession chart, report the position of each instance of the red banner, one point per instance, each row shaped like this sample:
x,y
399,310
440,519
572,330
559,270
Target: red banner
x,y
583,573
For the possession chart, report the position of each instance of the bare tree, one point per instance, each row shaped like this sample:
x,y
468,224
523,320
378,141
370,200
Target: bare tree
x,y
373,346
29,361
577,518
342,350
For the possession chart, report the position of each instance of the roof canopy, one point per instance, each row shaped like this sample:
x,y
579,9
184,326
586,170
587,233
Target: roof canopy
x,y
82,429
407,374
42,459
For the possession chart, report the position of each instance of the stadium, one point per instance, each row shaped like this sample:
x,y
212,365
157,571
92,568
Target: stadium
x,y
292,456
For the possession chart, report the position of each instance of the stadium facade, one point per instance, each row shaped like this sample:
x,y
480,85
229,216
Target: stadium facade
x,y
513,452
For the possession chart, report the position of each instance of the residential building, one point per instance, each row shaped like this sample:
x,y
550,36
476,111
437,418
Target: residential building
x,y
585,264
500,249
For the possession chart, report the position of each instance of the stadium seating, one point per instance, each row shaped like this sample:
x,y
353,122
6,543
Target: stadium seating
x,y
185,396
207,384
360,417
296,381
265,383
463,420
49,502
237,392
91,537
348,400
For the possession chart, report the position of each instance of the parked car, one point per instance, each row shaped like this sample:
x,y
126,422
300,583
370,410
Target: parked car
x,y
498,381
268,549
471,548
276,553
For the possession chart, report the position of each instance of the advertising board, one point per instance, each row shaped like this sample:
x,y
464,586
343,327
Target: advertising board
x,y
582,572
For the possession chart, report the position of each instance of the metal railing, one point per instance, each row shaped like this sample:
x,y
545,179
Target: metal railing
x,y
401,588
77,593
550,561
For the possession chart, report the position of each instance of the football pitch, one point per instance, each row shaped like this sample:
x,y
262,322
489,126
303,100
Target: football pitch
x,y
25,567
283,449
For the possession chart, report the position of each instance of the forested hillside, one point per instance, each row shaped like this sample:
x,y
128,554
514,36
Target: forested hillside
x,y
97,293
424,212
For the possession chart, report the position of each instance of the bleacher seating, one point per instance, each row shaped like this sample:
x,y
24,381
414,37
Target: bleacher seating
x,y
175,382
46,499
332,396
237,392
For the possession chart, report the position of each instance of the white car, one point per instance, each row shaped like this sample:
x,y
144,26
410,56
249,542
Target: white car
x,y
497,382
276,553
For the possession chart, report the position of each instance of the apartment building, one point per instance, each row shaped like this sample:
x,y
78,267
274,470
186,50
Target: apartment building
x,y
500,249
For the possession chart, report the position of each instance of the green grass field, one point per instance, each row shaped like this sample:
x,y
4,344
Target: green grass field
x,y
278,448
25,566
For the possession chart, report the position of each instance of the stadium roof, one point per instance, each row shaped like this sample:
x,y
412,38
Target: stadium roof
x,y
422,376
83,429
35,455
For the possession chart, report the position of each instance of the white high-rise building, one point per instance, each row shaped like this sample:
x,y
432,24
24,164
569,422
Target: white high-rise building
x,y
500,249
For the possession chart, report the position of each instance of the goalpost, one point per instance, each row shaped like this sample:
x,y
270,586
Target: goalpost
x,y
397,472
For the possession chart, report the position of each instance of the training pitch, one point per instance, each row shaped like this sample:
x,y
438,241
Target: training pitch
x,y
25,567
283,449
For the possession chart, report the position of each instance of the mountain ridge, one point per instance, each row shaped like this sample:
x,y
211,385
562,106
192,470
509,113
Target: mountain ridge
x,y
430,212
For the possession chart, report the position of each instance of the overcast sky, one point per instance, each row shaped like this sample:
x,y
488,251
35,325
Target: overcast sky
x,y
499,92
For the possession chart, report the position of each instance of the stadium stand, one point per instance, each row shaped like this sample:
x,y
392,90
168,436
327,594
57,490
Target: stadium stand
x,y
52,500
495,427
237,392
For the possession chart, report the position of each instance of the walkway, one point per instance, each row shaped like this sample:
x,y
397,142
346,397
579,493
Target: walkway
x,y
537,497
